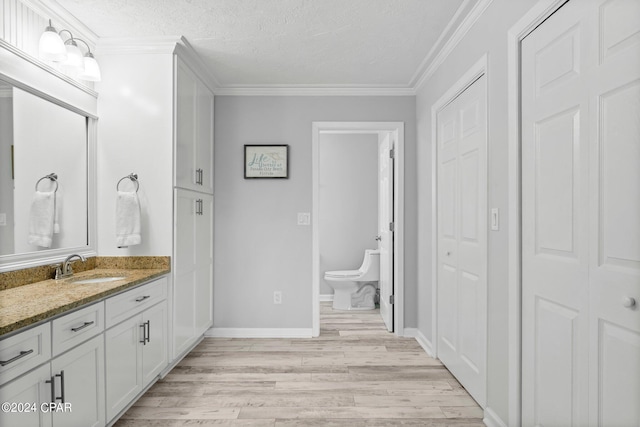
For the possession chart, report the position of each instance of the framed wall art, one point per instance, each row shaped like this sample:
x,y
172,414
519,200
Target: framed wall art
x,y
266,161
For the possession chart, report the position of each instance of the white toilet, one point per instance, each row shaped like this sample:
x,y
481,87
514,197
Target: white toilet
x,y
356,289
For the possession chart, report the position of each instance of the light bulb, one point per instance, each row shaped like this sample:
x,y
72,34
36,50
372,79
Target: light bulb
x,y
91,69
75,60
51,46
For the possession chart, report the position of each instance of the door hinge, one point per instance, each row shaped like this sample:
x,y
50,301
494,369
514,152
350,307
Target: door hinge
x,y
392,299
392,153
392,226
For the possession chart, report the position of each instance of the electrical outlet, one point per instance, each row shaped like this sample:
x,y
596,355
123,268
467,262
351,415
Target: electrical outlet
x,y
304,218
277,297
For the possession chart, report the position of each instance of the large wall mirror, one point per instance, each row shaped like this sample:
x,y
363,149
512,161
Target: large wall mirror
x,y
44,164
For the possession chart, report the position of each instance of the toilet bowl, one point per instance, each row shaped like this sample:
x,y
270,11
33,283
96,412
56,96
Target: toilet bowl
x,y
356,289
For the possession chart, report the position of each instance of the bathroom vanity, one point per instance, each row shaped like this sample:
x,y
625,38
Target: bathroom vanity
x,y
79,351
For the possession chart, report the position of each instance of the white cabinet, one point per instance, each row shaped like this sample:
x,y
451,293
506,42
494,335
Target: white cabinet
x,y
74,381
193,268
74,378
78,380
29,388
136,348
194,131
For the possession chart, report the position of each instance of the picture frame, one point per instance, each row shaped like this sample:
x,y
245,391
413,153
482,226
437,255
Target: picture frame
x,y
266,161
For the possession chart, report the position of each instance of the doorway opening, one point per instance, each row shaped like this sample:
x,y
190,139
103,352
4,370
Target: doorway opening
x,y
384,137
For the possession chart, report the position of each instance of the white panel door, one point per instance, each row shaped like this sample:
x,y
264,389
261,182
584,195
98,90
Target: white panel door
x,y
385,235
580,210
462,238
614,232
28,388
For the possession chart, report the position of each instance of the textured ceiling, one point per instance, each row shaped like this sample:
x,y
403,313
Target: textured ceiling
x,y
266,43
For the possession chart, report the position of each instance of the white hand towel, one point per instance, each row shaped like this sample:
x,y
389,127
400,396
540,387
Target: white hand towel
x,y
56,212
127,219
41,219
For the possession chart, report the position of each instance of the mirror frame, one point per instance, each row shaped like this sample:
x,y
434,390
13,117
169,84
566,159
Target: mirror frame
x,y
33,76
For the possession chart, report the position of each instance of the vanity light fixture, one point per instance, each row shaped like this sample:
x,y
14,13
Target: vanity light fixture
x,y
70,56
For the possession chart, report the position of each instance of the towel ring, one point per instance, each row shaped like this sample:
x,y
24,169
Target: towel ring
x,y
133,177
53,177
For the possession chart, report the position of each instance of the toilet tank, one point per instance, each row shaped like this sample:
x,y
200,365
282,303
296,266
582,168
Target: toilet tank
x,y
370,267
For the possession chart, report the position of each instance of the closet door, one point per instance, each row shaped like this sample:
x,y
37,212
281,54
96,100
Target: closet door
x,y
580,210
614,234
462,238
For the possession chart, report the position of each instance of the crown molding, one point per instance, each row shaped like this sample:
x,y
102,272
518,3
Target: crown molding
x,y
467,22
197,64
137,45
314,90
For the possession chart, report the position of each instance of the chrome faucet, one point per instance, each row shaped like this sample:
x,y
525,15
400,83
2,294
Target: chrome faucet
x,y
65,270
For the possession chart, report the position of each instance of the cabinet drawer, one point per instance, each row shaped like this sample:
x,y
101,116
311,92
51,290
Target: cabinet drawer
x,y
74,328
24,351
132,302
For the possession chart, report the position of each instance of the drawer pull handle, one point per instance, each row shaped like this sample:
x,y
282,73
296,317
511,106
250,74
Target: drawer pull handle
x,y
142,298
79,328
13,359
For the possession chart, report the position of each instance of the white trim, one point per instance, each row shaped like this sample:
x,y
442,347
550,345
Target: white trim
x,y
421,339
314,90
398,246
491,419
473,73
258,333
534,17
326,297
457,36
136,46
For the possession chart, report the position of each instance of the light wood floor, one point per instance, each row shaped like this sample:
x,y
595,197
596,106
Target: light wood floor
x,y
355,374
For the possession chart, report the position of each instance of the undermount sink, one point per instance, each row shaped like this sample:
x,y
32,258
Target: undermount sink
x,y
94,280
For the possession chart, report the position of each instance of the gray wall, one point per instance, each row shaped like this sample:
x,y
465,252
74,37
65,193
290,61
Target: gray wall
x,y
488,35
348,201
258,246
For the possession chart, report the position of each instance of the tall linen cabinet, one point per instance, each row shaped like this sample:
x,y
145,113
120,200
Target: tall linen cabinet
x,y
155,110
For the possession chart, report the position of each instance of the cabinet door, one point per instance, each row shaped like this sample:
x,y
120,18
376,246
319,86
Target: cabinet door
x,y
184,270
204,138
81,385
185,122
154,350
29,388
203,302
123,363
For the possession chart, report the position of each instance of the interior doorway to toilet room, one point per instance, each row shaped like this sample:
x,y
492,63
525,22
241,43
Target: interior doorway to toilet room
x,y
357,205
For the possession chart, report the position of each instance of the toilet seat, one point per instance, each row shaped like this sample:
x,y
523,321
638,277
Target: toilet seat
x,y
342,274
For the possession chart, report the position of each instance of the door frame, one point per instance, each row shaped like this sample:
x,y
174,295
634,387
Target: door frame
x,y
529,22
476,71
398,212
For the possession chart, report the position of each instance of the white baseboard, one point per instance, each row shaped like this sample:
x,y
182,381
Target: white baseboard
x,y
259,333
422,340
326,297
491,419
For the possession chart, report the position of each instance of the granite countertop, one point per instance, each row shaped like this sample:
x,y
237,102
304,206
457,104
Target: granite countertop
x,y
29,304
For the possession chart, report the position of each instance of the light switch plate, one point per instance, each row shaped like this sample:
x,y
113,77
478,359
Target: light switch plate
x,y
3,219
304,218
495,219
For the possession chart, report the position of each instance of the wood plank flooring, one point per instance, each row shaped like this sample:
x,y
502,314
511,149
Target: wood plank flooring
x,y
355,374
